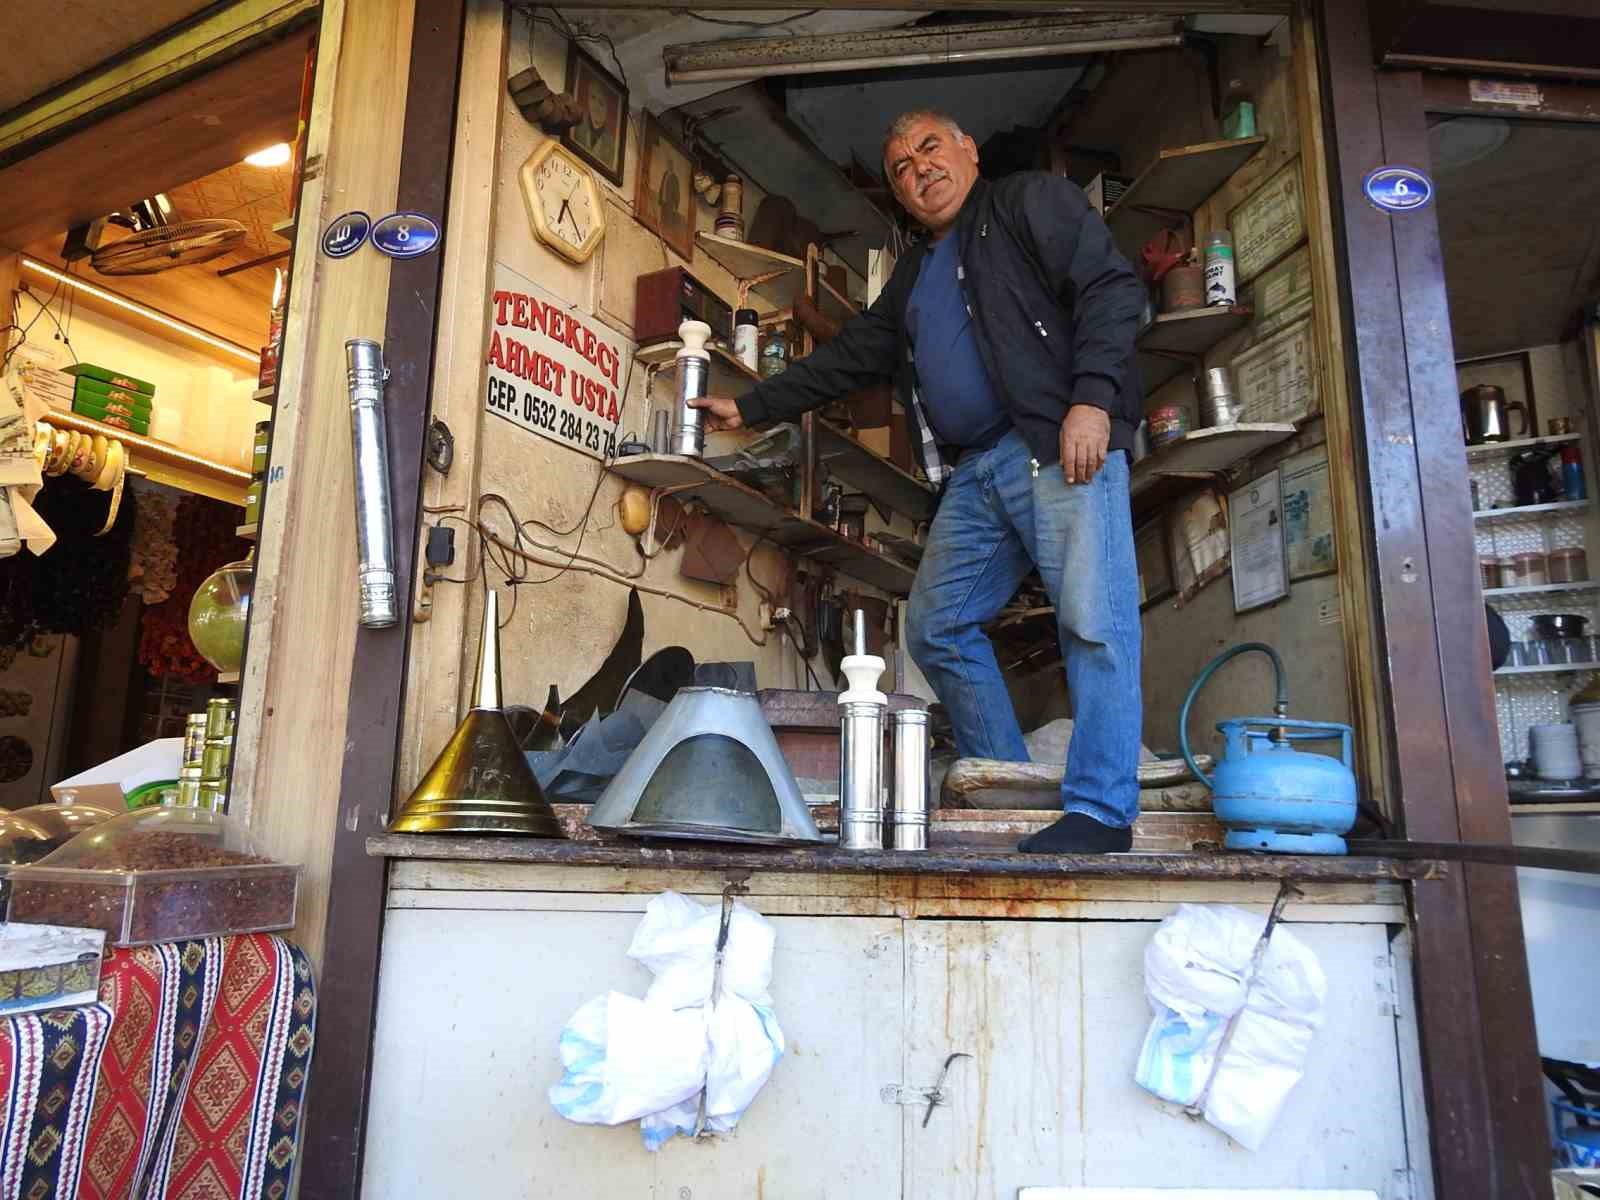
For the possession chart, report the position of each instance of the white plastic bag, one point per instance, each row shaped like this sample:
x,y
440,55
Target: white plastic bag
x,y
1198,980
650,1060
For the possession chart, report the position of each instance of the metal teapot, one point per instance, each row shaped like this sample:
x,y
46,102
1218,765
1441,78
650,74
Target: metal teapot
x,y
1269,795
1486,415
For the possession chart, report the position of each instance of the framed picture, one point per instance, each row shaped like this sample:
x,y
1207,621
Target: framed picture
x,y
663,196
1155,563
600,137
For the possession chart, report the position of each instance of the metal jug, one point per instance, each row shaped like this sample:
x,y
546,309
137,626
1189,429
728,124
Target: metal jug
x,y
1486,415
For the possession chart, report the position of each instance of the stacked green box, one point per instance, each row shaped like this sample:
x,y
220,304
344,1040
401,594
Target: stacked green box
x,y
113,397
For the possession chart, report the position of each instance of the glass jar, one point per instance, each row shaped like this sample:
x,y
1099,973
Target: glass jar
x,y
1532,569
218,614
774,353
1569,565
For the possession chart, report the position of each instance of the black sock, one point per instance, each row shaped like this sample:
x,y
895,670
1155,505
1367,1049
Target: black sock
x,y
1076,833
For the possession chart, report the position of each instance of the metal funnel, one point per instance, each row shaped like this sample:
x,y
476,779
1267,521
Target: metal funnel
x,y
480,783
709,769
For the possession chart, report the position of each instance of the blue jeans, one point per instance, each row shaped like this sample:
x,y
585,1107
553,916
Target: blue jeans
x,y
996,522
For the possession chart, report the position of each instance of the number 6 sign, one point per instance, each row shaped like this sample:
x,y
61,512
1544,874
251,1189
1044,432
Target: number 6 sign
x,y
1397,189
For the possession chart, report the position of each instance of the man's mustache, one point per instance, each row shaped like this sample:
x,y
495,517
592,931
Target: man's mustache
x,y
931,180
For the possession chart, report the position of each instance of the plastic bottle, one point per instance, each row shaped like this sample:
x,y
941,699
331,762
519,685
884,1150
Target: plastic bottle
x,y
774,353
1572,473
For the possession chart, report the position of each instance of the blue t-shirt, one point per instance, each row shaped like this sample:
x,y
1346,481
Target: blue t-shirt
x,y
961,402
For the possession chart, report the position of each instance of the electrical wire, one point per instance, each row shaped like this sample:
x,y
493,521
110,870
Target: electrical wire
x,y
688,12
576,31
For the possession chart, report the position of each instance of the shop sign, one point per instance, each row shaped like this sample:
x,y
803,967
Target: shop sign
x,y
345,234
405,235
551,369
1397,189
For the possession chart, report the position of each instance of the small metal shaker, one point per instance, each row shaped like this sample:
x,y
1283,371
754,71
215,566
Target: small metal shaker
x,y
861,710
1221,403
661,432
366,374
910,779
694,371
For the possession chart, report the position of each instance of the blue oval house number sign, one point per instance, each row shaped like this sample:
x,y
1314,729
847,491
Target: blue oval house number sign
x,y
405,235
344,234
1398,189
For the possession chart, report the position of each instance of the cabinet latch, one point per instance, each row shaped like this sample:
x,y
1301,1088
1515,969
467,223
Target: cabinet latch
x,y
916,1097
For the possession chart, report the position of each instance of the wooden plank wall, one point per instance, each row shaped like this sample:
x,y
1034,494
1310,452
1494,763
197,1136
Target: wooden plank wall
x,y
295,690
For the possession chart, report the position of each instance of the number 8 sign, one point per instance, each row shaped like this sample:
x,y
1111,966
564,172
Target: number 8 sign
x,y
405,235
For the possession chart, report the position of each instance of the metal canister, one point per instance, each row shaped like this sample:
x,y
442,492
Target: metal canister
x,y
1183,287
694,370
194,739
1221,404
861,777
910,779
219,717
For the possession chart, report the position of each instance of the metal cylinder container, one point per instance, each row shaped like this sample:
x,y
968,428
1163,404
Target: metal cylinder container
x,y
688,427
1221,403
861,776
369,444
910,824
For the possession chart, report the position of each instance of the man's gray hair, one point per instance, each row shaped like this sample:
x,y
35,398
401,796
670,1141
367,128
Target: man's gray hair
x,y
902,124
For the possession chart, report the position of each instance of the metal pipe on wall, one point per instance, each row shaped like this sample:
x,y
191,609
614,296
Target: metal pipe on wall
x,y
369,444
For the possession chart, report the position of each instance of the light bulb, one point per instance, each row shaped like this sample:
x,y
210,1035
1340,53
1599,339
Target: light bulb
x,y
272,156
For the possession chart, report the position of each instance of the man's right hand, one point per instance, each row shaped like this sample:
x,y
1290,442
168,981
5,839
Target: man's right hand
x,y
722,413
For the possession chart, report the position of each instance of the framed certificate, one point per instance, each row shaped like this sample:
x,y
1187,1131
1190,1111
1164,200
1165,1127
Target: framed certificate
x,y
1269,223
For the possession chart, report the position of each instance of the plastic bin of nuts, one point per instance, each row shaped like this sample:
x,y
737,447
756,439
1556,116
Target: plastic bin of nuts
x,y
158,875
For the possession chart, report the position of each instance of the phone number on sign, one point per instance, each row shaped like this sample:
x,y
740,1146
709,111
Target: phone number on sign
x,y
554,421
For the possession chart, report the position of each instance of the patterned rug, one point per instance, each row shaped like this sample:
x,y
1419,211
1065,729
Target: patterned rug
x,y
186,1081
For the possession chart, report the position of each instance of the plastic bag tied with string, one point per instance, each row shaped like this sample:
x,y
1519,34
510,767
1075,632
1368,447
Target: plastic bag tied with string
x,y
690,1055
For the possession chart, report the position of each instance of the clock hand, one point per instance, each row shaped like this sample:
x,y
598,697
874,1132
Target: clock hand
x,y
566,211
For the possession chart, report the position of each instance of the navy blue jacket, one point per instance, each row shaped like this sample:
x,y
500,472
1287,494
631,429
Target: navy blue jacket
x,y
1056,307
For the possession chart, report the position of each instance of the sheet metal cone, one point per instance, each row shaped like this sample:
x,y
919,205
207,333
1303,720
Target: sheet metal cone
x,y
480,783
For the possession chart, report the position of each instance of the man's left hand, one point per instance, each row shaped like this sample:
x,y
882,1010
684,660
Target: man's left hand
x,y
1085,434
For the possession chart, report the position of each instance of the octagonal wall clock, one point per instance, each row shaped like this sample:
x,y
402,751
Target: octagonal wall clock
x,y
563,199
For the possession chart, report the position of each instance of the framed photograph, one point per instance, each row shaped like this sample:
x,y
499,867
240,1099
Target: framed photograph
x,y
1155,563
600,137
663,195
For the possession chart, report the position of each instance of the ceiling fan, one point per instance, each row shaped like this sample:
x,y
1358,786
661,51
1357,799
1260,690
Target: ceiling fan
x,y
160,240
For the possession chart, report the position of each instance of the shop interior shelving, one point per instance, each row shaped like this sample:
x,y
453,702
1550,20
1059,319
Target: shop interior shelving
x,y
1549,669
1171,188
264,394
248,532
161,462
1526,511
776,280
741,505
1485,449
1542,589
1198,456
1178,340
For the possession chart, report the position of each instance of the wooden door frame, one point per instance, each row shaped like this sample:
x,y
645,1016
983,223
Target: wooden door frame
x,y
1485,1096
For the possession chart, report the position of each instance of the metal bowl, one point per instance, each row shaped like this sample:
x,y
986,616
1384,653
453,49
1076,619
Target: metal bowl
x,y
1560,625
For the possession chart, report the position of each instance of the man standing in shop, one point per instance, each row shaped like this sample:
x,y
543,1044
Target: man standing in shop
x,y
1009,334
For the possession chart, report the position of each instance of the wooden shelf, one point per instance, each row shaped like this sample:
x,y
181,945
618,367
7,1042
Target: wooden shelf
x,y
865,470
1198,456
248,532
729,376
747,508
1569,808
834,304
1178,182
744,261
1543,589
264,394
1170,343
1528,511
1486,449
284,226
161,462
227,677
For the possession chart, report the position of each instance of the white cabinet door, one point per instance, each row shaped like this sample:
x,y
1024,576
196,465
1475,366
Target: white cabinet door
x,y
471,1004
1055,1013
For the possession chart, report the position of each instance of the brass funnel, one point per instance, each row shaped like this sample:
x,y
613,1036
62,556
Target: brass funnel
x,y
480,783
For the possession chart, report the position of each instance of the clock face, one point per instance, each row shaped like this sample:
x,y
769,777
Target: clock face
x,y
563,201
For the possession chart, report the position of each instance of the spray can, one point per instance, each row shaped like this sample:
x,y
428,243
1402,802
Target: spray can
x,y
861,709
1220,288
694,369
747,337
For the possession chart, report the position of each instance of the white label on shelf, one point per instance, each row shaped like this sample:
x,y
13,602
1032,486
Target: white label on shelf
x,y
553,371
